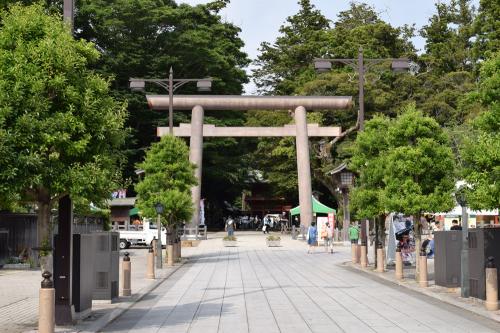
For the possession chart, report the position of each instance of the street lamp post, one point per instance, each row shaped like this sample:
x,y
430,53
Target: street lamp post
x,y
171,85
464,258
159,211
361,65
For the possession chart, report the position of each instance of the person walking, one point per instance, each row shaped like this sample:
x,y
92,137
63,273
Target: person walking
x,y
312,237
230,226
354,233
327,235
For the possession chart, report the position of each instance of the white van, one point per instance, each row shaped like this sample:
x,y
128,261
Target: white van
x,y
142,237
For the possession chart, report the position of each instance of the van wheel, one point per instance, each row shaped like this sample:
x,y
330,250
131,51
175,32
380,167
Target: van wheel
x,y
124,244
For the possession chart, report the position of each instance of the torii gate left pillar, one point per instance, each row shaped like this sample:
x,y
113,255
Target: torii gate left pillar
x,y
298,103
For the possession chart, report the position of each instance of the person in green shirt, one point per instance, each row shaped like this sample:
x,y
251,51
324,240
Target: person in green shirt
x,y
354,233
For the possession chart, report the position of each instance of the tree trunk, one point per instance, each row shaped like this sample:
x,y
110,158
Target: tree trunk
x,y
43,220
379,233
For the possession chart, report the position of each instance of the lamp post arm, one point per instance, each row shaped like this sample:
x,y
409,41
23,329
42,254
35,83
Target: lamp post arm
x,y
179,83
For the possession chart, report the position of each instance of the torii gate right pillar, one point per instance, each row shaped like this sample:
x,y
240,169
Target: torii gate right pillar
x,y
303,167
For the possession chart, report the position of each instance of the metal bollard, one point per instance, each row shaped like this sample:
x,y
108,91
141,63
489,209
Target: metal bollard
x,y
422,280
294,232
399,263
491,285
126,275
380,258
150,270
46,319
170,255
364,254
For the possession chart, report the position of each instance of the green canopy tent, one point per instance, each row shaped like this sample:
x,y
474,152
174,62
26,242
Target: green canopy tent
x,y
318,207
134,211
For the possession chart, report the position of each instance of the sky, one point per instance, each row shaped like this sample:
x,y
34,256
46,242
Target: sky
x,y
260,20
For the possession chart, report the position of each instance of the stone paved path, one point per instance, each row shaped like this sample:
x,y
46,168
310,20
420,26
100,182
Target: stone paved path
x,y
253,288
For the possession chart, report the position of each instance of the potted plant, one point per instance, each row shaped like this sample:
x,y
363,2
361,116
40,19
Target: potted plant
x,y
229,241
273,241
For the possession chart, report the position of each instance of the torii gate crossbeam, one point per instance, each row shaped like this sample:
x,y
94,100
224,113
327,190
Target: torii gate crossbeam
x,y
223,102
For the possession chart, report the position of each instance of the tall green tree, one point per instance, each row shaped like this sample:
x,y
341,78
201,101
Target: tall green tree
x,y
60,130
369,154
303,37
487,29
481,149
168,179
447,66
144,38
419,174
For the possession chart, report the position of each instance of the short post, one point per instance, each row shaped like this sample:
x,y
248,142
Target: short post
x,y
47,307
364,254
170,255
422,281
126,275
380,258
294,232
154,245
150,270
491,285
399,263
354,251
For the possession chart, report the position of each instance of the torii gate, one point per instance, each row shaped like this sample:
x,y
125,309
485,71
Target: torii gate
x,y
301,130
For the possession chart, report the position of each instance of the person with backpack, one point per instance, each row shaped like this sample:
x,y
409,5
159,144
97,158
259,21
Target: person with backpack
x,y
327,236
312,237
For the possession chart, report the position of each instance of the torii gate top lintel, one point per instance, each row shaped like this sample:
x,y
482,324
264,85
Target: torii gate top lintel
x,y
230,102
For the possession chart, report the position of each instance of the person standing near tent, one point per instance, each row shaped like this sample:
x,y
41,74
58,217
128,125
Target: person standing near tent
x,y
354,233
312,237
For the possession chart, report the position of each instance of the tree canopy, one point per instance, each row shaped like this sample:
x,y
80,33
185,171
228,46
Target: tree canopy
x,y
61,132
481,150
168,179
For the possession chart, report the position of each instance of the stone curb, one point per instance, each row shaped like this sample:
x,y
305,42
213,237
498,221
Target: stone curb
x,y
492,315
122,307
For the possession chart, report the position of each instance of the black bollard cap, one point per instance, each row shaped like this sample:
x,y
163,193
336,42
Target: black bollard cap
x,y
491,262
126,258
47,282
398,248
379,245
150,249
423,253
